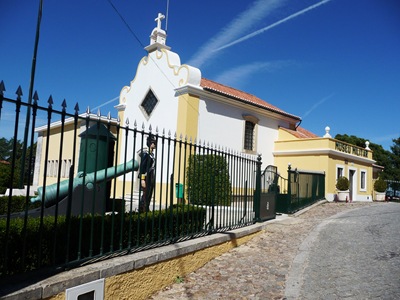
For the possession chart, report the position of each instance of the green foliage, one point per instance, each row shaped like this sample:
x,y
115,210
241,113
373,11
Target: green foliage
x,y
18,204
343,183
394,170
9,156
49,244
380,185
208,181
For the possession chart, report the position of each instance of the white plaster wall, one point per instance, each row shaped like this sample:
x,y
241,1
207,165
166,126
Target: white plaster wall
x,y
224,125
162,72
158,71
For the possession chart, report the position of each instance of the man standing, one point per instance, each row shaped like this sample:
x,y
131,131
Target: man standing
x,y
147,173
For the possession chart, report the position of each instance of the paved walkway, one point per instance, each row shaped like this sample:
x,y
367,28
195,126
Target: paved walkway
x,y
332,251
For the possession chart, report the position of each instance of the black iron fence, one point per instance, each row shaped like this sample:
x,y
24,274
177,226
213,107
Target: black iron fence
x,y
393,190
299,190
83,200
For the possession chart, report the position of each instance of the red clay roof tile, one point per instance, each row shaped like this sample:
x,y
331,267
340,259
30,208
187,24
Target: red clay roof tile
x,y
230,92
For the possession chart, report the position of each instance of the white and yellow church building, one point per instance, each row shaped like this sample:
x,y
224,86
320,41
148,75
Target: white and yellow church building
x,y
167,94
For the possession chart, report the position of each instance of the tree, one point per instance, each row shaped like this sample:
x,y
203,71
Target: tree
x,y
395,159
7,155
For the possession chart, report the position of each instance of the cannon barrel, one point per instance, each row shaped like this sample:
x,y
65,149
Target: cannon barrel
x,y
90,180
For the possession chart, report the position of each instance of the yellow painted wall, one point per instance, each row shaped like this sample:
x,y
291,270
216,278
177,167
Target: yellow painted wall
x,y
318,154
142,283
187,126
54,150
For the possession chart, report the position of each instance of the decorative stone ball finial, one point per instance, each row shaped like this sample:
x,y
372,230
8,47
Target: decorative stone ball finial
x,y
327,135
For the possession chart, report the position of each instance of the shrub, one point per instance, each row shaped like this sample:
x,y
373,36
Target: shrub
x,y
342,184
18,204
380,185
91,236
208,181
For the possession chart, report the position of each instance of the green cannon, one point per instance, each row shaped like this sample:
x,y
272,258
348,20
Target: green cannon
x,y
89,180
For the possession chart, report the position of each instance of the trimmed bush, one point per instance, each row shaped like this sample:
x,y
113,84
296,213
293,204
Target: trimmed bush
x,y
208,181
380,185
18,204
342,184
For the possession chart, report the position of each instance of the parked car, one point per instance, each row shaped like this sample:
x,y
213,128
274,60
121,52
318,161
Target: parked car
x,y
393,195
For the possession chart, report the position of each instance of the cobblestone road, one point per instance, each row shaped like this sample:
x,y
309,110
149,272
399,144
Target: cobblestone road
x,y
271,264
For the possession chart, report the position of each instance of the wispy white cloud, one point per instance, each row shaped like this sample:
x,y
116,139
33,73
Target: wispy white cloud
x,y
104,104
256,12
235,76
316,105
262,30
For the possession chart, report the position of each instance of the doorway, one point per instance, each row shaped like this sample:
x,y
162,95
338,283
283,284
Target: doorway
x,y
351,180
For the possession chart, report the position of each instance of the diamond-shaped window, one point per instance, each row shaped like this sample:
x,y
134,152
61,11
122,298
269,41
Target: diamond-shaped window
x,y
149,103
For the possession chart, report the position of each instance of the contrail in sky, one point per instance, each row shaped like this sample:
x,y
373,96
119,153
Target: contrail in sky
x,y
262,30
105,103
238,26
235,76
316,105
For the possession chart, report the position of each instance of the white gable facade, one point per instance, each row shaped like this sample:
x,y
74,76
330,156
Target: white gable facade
x,y
190,106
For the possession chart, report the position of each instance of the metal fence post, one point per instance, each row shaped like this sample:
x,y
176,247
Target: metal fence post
x,y
257,192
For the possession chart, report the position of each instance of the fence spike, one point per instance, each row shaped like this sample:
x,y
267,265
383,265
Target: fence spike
x,y
135,124
88,110
19,92
64,105
157,130
143,126
35,98
2,88
163,132
98,113
118,120
76,108
50,101
109,116
127,122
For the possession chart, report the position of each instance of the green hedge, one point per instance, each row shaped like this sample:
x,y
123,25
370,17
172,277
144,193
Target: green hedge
x,y
208,181
144,229
17,204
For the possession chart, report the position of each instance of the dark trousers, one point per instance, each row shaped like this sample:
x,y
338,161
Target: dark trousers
x,y
144,202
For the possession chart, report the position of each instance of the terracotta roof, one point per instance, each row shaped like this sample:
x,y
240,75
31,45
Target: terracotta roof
x,y
233,93
301,133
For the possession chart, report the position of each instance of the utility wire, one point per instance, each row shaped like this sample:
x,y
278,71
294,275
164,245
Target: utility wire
x,y
126,24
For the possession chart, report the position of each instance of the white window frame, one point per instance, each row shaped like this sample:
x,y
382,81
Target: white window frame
x,y
363,171
254,120
337,173
97,287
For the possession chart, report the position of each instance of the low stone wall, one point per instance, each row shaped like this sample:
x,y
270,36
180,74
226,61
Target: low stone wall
x,y
138,275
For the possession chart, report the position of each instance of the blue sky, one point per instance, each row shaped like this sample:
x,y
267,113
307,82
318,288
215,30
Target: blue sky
x,y
334,63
